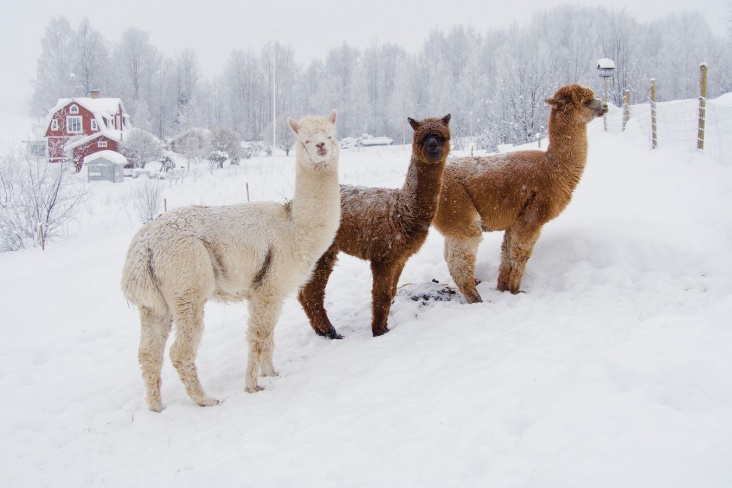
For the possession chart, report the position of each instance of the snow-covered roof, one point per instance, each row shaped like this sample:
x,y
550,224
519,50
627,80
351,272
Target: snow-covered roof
x,y
104,109
105,106
112,156
605,63
114,135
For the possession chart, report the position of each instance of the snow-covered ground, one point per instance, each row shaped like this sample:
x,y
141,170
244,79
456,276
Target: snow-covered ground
x,y
614,369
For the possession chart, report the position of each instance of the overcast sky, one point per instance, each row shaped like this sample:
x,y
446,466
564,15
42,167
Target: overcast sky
x,y
213,28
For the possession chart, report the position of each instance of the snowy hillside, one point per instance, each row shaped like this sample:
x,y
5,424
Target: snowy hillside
x,y
614,369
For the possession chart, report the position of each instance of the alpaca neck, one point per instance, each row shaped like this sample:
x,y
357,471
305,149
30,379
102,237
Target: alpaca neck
x,y
567,146
421,189
315,194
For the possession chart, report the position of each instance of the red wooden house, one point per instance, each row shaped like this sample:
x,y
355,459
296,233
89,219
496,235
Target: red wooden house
x,y
78,127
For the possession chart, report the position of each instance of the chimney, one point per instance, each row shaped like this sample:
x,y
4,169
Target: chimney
x,y
95,93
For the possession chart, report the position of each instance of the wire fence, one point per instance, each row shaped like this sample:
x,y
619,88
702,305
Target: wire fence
x,y
677,123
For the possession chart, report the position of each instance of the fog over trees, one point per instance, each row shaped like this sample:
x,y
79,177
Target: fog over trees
x,y
493,83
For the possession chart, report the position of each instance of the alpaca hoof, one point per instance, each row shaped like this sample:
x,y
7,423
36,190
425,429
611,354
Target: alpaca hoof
x,y
254,389
330,334
473,298
208,402
505,287
380,332
155,406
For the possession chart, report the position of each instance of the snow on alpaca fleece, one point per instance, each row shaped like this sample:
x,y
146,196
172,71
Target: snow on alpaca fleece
x,y
516,192
384,226
259,252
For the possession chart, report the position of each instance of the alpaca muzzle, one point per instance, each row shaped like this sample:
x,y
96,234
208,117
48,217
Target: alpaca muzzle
x,y
599,107
432,150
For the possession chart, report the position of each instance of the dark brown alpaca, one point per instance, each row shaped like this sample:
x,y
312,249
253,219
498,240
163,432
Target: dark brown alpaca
x,y
384,226
516,192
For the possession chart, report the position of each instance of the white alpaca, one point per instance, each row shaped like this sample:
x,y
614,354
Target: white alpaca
x,y
259,252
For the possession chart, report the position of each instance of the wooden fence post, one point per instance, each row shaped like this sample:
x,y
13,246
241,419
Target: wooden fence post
x,y
654,127
702,104
626,108
42,235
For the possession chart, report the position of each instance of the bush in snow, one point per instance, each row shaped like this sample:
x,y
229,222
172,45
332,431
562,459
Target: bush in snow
x,y
36,199
140,147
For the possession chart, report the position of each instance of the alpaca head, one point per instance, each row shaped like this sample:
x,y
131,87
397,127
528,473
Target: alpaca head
x,y
431,141
577,103
316,145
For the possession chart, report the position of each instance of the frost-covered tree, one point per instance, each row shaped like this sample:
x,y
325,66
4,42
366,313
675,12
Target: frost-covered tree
x,y
285,137
90,58
228,142
55,68
244,82
526,77
141,147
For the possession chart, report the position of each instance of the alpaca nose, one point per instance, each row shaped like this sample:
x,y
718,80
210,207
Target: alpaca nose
x,y
320,146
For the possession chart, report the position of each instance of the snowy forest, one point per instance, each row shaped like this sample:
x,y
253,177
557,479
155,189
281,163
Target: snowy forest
x,y
493,83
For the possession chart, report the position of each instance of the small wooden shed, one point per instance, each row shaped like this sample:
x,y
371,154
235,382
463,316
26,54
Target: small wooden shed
x,y
105,166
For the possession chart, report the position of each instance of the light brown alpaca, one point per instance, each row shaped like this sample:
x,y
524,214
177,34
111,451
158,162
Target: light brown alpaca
x,y
260,252
384,226
516,192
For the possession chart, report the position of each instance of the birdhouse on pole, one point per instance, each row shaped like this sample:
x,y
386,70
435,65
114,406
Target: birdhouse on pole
x,y
605,67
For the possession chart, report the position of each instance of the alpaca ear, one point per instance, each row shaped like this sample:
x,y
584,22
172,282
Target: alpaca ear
x,y
413,123
446,119
556,102
332,116
293,125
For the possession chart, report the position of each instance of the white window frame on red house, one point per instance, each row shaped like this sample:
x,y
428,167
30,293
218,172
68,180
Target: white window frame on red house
x,y
73,109
71,124
102,144
54,124
94,124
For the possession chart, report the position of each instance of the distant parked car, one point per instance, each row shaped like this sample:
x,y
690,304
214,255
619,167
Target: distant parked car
x,y
348,142
369,140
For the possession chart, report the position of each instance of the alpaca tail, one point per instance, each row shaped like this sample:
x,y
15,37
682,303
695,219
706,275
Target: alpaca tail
x,y
138,280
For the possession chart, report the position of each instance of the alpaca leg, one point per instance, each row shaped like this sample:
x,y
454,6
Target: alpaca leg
x,y
155,328
312,295
267,365
518,245
460,256
504,271
395,278
188,333
263,314
381,296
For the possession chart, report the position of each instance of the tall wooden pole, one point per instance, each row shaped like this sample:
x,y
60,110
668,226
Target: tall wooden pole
x,y
654,126
604,99
702,104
